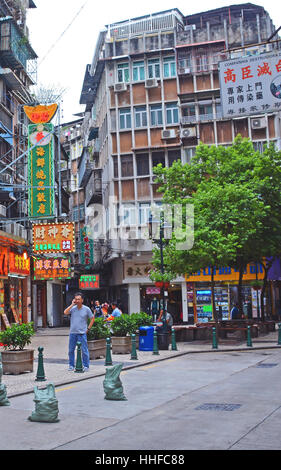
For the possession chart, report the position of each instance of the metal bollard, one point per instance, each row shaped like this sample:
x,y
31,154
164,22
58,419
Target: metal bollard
x,y
215,342
279,333
134,348
174,344
155,344
79,366
249,338
40,376
108,358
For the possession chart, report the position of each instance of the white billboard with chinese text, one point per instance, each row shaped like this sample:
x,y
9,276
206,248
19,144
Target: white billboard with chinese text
x,y
251,85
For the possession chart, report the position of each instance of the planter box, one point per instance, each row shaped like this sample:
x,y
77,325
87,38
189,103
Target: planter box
x,y
17,362
121,344
97,348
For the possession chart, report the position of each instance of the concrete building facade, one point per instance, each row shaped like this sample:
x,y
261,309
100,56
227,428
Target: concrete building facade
x,y
151,94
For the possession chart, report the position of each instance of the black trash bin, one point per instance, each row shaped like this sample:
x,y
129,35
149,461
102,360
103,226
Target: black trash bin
x,y
163,339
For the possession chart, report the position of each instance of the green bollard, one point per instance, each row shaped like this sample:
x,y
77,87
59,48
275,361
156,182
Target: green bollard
x,y
40,377
134,349
155,344
215,342
108,359
279,333
79,366
174,344
249,339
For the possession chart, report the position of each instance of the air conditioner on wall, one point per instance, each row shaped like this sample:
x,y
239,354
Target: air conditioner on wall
x,y
258,123
168,134
3,210
151,83
188,132
120,87
184,70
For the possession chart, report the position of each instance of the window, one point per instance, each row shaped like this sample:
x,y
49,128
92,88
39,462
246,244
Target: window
x,y
188,114
153,68
140,116
138,71
201,62
144,212
184,63
189,153
123,73
127,214
169,66
218,110
173,156
127,168
142,164
158,157
206,111
125,118
172,113
156,117
78,213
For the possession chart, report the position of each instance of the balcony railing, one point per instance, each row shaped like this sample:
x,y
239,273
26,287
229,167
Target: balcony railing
x,y
93,191
201,118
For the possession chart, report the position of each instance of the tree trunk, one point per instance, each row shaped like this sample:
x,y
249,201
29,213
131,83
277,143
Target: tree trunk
x,y
213,295
240,305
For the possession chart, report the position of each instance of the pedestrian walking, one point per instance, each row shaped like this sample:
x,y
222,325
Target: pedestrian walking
x,y
79,315
116,312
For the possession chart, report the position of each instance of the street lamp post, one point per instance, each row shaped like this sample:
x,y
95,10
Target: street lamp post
x,y
160,243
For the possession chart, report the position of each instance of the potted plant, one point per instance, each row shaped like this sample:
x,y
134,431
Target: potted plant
x,y
122,327
161,279
97,338
257,284
15,358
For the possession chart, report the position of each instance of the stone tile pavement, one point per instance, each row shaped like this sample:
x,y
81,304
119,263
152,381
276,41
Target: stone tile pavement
x,y
55,355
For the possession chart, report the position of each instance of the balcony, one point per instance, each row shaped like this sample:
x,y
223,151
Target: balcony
x,y
93,193
201,118
85,168
15,49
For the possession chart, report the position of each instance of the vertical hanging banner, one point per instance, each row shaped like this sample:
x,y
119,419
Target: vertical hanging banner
x,y
41,192
86,247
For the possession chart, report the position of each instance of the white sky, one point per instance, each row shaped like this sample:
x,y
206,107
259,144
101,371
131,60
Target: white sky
x,y
65,64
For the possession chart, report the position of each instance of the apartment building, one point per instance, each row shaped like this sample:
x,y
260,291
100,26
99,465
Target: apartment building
x,y
151,94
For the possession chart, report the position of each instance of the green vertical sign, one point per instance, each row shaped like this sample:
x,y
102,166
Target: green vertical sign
x,y
41,194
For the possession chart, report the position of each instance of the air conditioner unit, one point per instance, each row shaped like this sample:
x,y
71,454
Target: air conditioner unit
x,y
153,179
120,87
151,83
188,132
168,134
3,210
6,178
22,130
184,70
258,123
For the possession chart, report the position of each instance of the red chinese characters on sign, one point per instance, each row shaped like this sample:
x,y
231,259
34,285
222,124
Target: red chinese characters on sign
x,y
246,72
230,76
53,268
19,263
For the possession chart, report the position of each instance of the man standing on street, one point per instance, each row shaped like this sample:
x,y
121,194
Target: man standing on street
x,y
78,329
116,312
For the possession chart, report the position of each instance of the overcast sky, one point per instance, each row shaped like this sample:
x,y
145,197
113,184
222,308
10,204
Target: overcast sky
x,y
64,64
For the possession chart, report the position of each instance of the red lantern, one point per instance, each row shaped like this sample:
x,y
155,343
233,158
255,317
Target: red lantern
x,y
159,283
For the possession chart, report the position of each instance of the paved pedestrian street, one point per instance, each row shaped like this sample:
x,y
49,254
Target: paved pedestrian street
x,y
191,399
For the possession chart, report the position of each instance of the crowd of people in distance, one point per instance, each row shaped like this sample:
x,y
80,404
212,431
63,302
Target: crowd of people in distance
x,y
108,311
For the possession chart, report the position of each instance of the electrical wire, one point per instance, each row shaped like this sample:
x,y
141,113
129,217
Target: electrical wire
x,y
62,34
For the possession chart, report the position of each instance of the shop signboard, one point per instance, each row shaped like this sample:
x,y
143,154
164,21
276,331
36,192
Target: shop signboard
x,y
86,247
52,268
53,238
137,269
89,281
153,291
3,262
41,192
251,85
19,263
251,273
